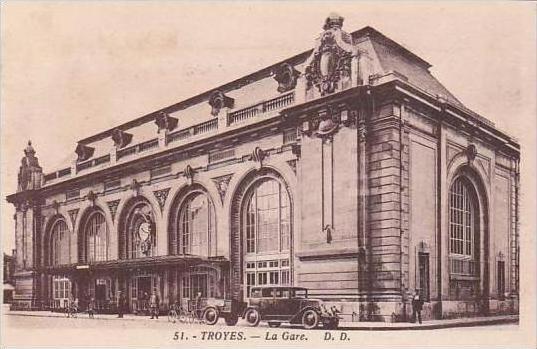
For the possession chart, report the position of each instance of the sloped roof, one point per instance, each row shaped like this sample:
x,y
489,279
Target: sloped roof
x,y
391,59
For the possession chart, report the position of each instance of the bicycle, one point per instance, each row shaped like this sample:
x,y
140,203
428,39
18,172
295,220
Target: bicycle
x,y
173,316
71,311
189,316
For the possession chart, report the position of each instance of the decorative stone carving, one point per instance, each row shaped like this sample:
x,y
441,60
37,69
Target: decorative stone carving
x,y
292,164
258,155
30,173
72,215
135,187
91,197
112,206
56,206
218,101
189,172
286,75
121,138
296,150
331,59
161,196
471,152
328,230
84,152
222,184
165,122
324,125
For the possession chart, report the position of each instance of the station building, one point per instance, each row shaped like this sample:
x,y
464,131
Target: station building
x,y
347,169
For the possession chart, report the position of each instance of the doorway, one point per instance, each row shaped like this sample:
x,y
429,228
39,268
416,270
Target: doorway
x,y
141,287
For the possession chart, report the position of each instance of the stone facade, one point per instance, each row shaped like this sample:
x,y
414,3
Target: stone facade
x,y
339,169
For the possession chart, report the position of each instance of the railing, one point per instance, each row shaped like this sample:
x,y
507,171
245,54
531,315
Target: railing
x,y
221,155
260,108
152,143
91,163
459,266
204,127
58,174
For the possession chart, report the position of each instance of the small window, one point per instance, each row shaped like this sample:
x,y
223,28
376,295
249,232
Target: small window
x,y
423,265
501,280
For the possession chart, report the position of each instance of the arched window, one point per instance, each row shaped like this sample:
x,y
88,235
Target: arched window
x,y
197,223
463,227
96,233
268,216
267,234
59,243
141,231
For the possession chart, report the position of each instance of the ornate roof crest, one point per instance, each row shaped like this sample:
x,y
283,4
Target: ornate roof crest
x,y
330,62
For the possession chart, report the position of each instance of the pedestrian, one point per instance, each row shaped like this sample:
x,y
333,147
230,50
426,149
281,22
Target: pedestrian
x,y
120,304
145,303
70,302
417,305
197,305
91,307
154,303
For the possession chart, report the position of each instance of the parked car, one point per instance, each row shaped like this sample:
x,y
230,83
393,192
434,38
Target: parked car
x,y
288,304
213,308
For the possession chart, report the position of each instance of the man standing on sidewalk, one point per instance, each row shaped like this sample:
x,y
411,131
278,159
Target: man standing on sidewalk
x,y
154,303
120,304
417,305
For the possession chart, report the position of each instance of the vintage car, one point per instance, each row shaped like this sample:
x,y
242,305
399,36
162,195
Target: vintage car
x,y
277,304
212,309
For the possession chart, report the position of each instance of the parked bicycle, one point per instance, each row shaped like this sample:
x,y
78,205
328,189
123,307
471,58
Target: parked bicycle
x,y
184,315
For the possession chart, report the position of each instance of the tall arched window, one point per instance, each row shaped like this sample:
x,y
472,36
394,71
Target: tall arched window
x,y
268,218
196,225
59,243
267,234
96,233
463,227
141,231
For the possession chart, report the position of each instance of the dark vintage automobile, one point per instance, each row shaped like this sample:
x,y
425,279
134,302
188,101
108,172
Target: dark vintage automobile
x,y
288,304
211,309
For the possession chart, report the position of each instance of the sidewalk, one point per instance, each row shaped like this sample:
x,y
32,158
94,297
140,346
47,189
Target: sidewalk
x,y
430,324
360,326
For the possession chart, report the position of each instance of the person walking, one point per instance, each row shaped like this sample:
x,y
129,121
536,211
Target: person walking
x,y
154,303
417,305
91,307
121,304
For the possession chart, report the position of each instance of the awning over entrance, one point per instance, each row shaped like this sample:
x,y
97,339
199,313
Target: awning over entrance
x,y
157,261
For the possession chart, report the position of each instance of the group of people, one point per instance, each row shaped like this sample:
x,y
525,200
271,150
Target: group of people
x,y
152,301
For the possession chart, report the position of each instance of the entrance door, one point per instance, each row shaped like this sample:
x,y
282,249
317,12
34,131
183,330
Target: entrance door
x,y
144,290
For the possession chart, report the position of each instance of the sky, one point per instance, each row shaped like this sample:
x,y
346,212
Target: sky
x,y
72,69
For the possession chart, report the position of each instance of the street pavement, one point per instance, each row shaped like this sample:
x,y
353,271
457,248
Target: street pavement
x,y
38,329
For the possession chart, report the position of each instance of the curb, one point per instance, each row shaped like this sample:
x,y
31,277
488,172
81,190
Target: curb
x,y
84,317
431,326
468,323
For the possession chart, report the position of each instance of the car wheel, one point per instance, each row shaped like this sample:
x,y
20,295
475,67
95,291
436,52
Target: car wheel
x,y
274,324
210,316
252,317
231,320
310,319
